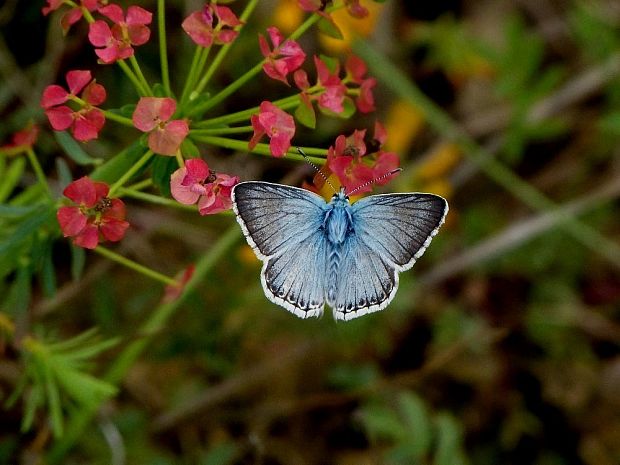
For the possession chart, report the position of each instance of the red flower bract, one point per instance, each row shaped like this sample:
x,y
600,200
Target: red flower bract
x,y
346,160
214,24
73,15
285,57
194,182
86,122
152,115
22,140
116,42
277,124
93,217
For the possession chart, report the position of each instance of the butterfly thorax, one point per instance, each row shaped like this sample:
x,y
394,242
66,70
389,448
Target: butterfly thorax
x,y
338,222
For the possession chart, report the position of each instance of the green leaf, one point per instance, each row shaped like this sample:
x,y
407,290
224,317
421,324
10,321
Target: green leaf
x,y
48,273
449,439
222,454
18,298
74,150
305,115
126,110
115,167
328,27
381,422
11,178
352,376
11,246
163,167
415,416
53,400
64,172
15,212
189,149
159,90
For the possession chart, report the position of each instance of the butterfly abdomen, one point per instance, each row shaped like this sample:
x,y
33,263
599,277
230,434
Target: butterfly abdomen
x,y
338,225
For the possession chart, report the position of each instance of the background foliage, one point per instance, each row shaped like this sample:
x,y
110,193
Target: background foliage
x,y
501,345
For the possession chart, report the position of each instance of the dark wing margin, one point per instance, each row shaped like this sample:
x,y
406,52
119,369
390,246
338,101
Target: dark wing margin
x,y
274,217
296,280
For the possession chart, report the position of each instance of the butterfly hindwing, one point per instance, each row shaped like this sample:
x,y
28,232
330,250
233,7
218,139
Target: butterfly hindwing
x,y
281,223
390,232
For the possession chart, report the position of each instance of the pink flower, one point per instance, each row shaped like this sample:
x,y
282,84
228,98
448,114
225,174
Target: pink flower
x,y
277,124
285,57
195,182
86,122
214,24
152,115
356,69
332,98
348,162
73,15
117,42
21,140
94,217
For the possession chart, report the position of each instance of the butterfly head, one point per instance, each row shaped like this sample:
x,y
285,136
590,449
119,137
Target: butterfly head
x,y
340,198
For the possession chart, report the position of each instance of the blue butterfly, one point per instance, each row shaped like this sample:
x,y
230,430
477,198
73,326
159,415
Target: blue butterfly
x,y
345,255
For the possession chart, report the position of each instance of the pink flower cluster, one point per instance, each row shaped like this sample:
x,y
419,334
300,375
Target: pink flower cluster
x,y
346,159
196,183
87,121
286,56
93,217
215,24
152,115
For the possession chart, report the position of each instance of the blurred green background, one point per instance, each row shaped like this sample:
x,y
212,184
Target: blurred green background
x,y
501,346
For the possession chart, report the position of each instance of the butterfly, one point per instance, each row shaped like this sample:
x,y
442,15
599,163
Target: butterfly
x,y
345,255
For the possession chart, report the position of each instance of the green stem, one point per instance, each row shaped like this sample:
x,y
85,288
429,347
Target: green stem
x,y
285,103
227,91
138,71
223,51
319,155
163,49
118,118
135,266
130,172
393,78
234,86
154,199
133,78
141,185
221,131
159,317
189,80
38,171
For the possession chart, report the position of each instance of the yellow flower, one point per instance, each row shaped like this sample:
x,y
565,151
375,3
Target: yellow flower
x,y
351,27
403,123
287,16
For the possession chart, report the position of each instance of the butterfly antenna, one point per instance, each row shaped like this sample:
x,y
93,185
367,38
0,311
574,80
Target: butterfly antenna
x,y
383,176
301,152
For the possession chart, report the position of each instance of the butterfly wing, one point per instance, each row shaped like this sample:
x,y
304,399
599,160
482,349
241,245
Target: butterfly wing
x,y
390,232
282,225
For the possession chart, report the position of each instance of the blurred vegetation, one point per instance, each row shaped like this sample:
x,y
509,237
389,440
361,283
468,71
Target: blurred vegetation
x,y
501,346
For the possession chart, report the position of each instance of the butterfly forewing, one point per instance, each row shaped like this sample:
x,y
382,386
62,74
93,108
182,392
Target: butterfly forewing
x,y
275,217
282,225
399,226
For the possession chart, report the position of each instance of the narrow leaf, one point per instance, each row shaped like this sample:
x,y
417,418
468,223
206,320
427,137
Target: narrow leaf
x,y
74,150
